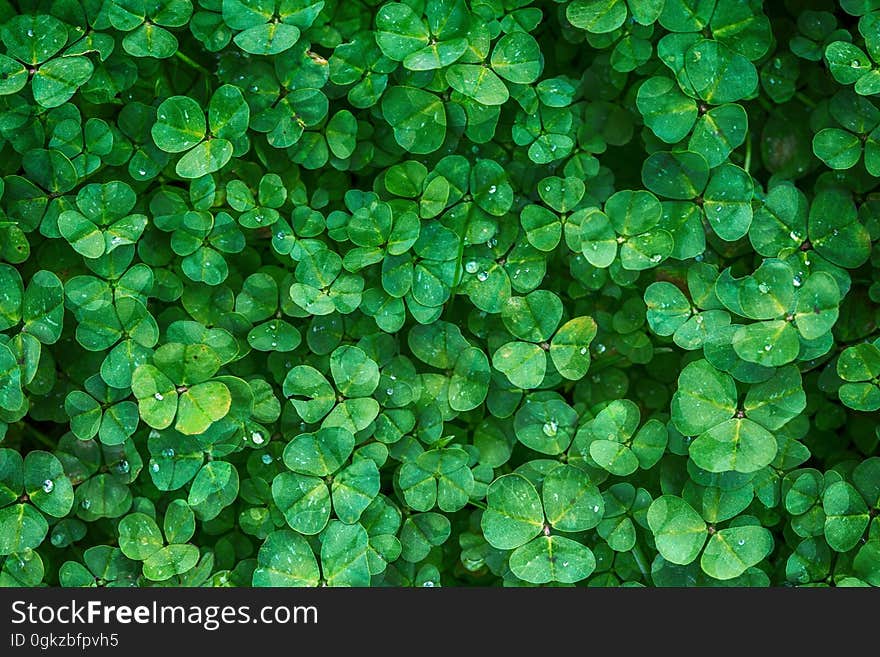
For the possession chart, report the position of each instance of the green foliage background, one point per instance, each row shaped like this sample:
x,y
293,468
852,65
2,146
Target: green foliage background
x,y
439,292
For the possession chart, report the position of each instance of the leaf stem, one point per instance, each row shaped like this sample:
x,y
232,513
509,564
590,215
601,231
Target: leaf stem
x,y
606,363
478,504
192,63
806,100
39,435
640,562
747,165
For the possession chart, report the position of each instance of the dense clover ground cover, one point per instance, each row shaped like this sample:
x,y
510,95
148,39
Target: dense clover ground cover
x,y
439,292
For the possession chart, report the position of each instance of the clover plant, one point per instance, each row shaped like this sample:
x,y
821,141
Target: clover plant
x,y
440,293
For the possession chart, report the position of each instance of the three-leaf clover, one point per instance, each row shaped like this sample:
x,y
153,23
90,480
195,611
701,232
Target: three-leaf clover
x,y
178,384
519,519
181,127
321,472
680,534
859,367
730,436
140,539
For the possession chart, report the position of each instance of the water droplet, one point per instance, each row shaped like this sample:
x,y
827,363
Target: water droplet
x,y
835,232
718,208
266,459
274,344
768,347
547,188
428,584
794,236
123,467
656,258
471,267
600,348
551,428
48,486
740,542
30,33
583,351
493,189
595,508
158,396
154,467
259,218
796,281
168,452
389,391
142,172
854,63
86,503
482,276
764,288
57,539
257,437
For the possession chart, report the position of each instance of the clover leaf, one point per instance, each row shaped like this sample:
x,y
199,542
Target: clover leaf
x,y
730,437
181,127
177,384
515,519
